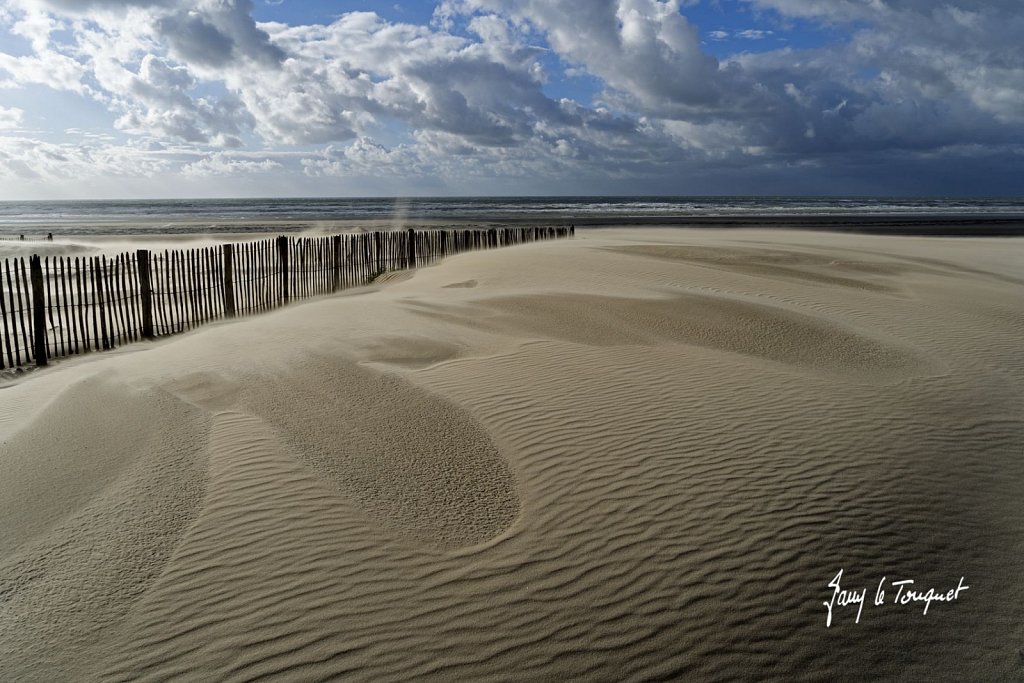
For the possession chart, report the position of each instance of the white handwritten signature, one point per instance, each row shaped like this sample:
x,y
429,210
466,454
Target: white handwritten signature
x,y
905,594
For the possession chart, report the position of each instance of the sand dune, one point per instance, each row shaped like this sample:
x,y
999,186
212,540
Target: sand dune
x,y
641,454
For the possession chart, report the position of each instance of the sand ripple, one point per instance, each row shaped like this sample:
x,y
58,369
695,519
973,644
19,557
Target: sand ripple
x,y
713,322
86,536
414,463
632,469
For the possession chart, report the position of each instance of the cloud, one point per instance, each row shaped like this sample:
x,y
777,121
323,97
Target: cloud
x,y
222,164
224,33
746,34
10,117
85,7
910,76
48,68
467,99
161,104
644,50
31,158
753,34
365,156
967,50
194,40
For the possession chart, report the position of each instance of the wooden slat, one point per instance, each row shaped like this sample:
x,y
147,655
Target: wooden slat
x,y
130,316
159,294
23,303
203,258
7,331
168,292
250,279
229,280
89,291
50,329
188,315
110,292
201,294
253,273
81,310
58,309
197,284
212,293
13,315
164,278
131,302
96,300
116,266
181,286
102,301
143,276
69,310
72,305
189,277
173,295
39,321
243,256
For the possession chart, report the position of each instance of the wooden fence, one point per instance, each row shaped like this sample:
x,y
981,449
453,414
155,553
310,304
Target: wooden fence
x,y
62,306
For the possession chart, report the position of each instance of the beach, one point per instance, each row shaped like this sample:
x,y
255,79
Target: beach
x,y
642,453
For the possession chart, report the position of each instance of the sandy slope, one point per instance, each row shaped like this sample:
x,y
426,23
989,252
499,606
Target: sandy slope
x,y
641,454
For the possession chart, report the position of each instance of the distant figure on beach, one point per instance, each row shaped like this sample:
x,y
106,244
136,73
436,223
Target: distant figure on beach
x,y
49,237
21,237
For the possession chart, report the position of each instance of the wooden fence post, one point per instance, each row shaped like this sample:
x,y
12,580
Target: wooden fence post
x,y
336,261
229,280
412,248
38,310
145,293
282,255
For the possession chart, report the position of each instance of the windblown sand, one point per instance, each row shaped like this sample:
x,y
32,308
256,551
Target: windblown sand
x,y
641,454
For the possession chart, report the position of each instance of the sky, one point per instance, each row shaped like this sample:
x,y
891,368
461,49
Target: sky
x,y
233,98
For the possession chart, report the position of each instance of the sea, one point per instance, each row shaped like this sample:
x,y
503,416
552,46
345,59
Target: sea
x,y
203,216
